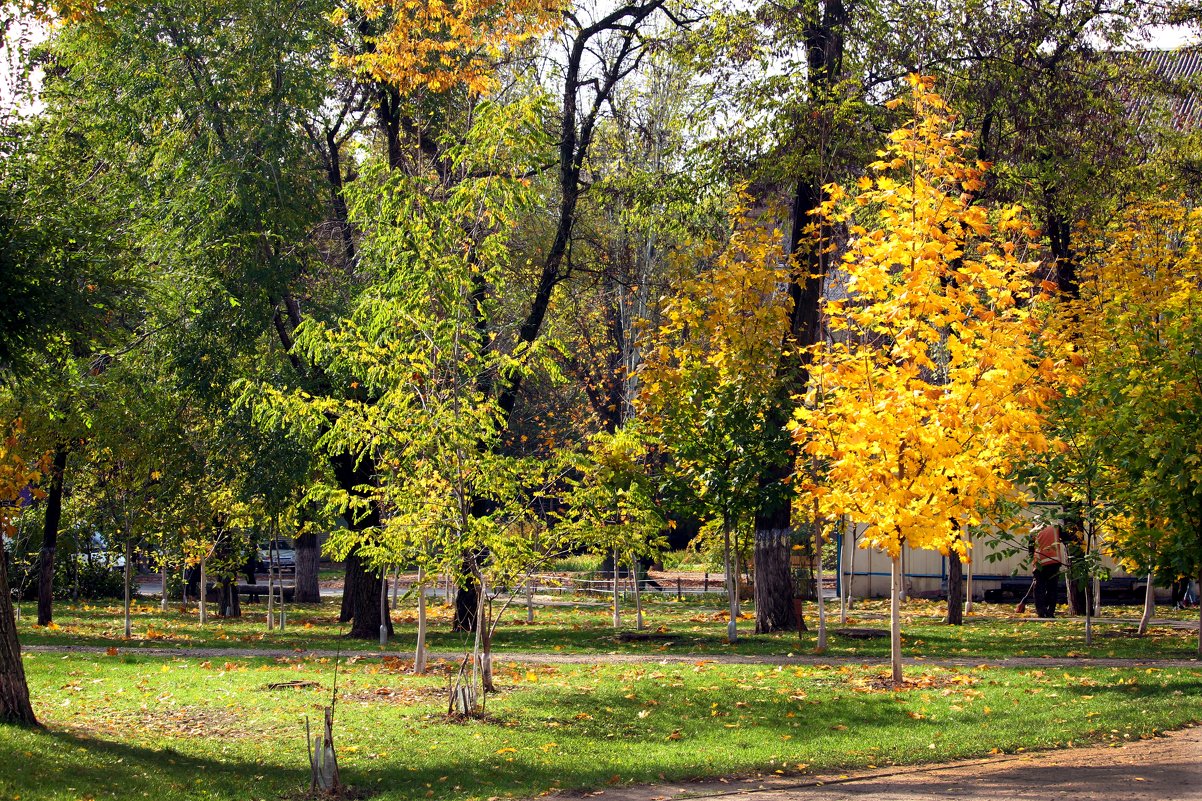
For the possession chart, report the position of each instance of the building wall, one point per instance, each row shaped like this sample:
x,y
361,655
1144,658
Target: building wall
x,y
925,571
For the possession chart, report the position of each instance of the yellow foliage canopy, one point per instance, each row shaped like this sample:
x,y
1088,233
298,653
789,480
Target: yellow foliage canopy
x,y
15,475
437,45
930,386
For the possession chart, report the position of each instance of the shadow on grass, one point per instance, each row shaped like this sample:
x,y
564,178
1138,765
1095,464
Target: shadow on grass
x,y
62,764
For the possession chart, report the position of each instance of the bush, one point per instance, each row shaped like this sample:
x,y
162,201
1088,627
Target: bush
x,y
95,579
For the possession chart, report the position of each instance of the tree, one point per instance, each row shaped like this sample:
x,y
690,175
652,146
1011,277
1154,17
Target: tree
x,y
1139,408
930,387
709,381
613,507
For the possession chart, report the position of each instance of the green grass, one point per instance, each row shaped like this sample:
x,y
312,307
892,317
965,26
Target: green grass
x,y
687,628
130,726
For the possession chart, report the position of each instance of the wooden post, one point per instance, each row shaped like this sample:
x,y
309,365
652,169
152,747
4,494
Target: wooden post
x,y
679,591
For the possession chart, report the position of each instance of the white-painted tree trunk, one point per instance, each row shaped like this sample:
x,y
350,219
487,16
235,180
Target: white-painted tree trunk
x,y
419,652
732,591
1149,607
383,606
821,597
128,581
204,609
163,573
271,585
895,598
968,578
851,566
638,598
529,600
617,610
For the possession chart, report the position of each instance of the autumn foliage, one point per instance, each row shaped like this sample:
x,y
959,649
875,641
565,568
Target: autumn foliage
x,y
440,44
931,385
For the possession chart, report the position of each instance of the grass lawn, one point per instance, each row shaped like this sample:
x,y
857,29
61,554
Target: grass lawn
x,y
688,628
131,726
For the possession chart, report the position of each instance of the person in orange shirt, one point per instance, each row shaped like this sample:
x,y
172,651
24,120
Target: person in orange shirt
x,y
1046,555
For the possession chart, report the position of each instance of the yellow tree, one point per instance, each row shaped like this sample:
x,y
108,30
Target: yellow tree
x,y
929,386
1139,409
437,45
709,382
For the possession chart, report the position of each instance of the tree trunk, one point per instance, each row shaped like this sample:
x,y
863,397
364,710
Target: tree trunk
x,y
419,653
849,542
732,590
14,691
361,597
617,609
128,581
1149,606
773,587
895,620
204,590
818,578
54,516
308,559
230,604
163,578
955,589
1200,613
467,601
361,590
968,590
638,599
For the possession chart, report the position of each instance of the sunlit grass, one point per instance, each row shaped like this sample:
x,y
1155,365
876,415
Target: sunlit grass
x,y
130,726
673,628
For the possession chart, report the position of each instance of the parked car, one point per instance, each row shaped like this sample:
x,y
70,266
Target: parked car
x,y
285,553
97,550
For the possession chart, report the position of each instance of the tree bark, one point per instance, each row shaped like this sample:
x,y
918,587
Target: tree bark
x,y
361,597
52,520
419,650
14,691
732,587
1149,606
773,587
127,581
955,589
361,589
308,559
895,620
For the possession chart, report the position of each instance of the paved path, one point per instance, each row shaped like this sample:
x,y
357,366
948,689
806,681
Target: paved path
x,y
1163,768
617,658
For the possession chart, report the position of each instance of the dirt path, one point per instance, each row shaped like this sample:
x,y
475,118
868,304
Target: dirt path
x,y
620,659
1167,767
